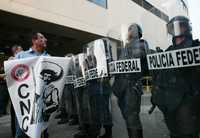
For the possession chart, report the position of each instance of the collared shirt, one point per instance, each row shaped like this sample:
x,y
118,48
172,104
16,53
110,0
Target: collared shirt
x,y
30,53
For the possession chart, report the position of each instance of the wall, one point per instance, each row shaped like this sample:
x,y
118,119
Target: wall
x,y
87,16
78,14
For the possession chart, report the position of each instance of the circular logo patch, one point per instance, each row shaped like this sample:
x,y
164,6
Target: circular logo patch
x,y
20,72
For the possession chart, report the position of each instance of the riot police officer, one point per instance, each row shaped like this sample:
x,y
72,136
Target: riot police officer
x,y
180,85
127,86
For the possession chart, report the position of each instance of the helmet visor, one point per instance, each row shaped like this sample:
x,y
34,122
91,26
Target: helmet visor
x,y
178,28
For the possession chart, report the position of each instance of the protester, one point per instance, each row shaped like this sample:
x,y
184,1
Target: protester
x,y
39,44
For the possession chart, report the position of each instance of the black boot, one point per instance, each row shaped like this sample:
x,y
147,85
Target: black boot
x,y
108,132
132,133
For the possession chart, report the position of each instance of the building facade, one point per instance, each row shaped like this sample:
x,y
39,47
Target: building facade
x,y
80,21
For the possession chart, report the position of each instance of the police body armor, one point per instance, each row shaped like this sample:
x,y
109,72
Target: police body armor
x,y
176,92
175,84
131,80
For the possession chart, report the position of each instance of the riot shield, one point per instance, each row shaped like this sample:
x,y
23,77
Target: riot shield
x,y
98,87
97,54
124,52
79,64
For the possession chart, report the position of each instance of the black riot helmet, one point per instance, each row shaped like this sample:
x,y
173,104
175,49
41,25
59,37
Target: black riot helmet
x,y
179,26
134,31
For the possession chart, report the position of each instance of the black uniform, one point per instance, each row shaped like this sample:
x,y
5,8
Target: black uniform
x,y
177,94
128,89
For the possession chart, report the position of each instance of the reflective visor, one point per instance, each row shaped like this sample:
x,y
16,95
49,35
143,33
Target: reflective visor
x,y
178,28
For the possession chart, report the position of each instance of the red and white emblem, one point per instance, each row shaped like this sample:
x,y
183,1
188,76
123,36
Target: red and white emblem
x,y
20,72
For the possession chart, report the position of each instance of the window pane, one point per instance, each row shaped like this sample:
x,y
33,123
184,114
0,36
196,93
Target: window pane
x,y
102,3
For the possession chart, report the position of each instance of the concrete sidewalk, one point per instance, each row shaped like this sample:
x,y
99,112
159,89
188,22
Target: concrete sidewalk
x,y
153,125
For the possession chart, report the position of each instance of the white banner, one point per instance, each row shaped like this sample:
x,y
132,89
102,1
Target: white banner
x,y
35,86
125,66
174,59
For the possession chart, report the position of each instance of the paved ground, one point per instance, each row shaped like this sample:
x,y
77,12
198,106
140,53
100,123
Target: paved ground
x,y
153,125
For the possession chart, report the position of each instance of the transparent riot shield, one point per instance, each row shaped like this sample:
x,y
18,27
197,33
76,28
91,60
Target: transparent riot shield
x,y
97,54
79,64
125,51
98,87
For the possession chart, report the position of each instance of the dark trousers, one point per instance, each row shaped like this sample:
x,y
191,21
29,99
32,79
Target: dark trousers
x,y
100,113
129,101
82,106
130,107
184,122
70,99
62,105
4,98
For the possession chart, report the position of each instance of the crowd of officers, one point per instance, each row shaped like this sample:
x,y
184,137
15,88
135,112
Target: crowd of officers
x,y
176,92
